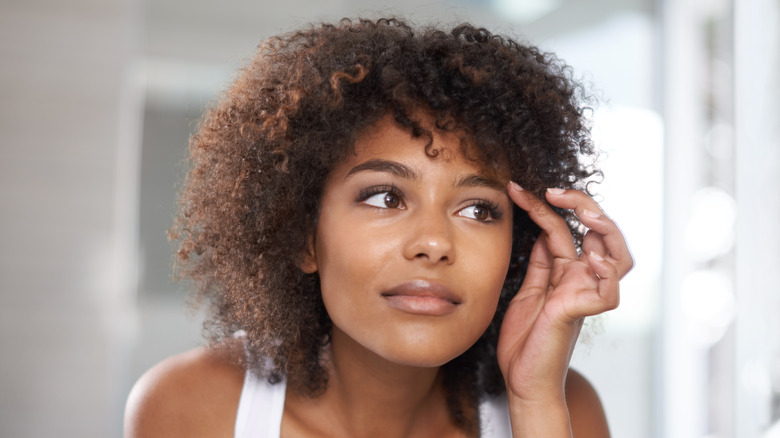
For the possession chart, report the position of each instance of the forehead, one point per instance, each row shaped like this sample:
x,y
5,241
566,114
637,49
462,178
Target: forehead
x,y
388,140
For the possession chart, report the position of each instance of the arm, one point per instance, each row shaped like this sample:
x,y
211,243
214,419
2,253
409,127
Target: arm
x,y
543,320
194,394
581,414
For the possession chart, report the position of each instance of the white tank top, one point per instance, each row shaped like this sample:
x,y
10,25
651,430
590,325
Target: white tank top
x,y
262,404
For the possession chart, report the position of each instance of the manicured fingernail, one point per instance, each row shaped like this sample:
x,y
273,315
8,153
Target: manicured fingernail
x,y
591,214
596,257
515,186
555,191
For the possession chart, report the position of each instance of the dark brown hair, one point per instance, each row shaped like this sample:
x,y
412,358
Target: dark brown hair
x,y
261,155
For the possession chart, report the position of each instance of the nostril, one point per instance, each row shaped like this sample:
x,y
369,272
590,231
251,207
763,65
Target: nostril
x,y
427,255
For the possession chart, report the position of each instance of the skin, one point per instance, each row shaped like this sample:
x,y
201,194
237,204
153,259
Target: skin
x,y
412,252
422,235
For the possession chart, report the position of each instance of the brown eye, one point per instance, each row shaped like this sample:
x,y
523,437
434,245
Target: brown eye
x,y
481,213
384,199
391,201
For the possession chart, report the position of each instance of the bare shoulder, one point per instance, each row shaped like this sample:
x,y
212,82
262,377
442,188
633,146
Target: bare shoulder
x,y
192,394
585,410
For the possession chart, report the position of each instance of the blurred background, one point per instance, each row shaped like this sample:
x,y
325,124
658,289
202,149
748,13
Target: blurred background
x,y
98,99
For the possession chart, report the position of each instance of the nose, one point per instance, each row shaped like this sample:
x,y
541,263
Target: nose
x,y
429,238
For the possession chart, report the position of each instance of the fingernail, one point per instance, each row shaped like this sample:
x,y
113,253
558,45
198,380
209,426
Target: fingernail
x,y
596,257
515,186
591,214
555,191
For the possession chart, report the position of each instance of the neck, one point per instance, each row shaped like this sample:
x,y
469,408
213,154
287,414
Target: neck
x,y
368,395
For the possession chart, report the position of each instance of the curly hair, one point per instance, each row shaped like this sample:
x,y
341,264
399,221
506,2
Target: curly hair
x,y
261,155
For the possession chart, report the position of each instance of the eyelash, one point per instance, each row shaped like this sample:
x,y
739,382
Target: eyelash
x,y
494,211
375,190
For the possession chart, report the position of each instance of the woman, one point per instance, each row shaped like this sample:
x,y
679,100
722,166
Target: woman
x,y
386,226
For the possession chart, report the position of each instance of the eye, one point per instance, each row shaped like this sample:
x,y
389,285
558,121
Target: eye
x,y
381,197
481,211
383,200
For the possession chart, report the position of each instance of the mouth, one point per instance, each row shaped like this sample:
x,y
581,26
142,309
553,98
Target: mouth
x,y
422,297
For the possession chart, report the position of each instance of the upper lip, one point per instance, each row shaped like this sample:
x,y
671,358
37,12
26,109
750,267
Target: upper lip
x,y
422,289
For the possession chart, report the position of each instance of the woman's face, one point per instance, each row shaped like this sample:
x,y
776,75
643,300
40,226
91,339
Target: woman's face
x,y
411,250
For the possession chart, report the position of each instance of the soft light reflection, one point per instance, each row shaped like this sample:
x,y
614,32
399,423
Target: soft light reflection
x,y
710,229
709,306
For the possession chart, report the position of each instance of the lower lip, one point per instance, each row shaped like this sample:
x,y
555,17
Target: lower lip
x,y
431,306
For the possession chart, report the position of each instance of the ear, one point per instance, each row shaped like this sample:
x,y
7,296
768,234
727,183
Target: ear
x,y
309,260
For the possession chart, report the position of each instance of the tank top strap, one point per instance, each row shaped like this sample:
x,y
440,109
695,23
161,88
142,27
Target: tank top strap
x,y
260,408
494,418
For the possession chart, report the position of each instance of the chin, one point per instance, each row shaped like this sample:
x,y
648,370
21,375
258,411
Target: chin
x,y
422,354
420,361
428,343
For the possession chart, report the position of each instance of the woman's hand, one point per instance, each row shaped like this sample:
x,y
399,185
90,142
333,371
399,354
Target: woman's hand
x,y
560,289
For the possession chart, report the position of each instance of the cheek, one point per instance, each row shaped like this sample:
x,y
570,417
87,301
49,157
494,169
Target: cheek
x,y
348,253
349,257
486,303
492,261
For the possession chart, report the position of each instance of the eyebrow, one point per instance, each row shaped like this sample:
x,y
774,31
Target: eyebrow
x,y
475,180
403,171
392,167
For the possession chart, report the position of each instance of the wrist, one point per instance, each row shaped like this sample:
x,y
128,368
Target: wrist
x,y
547,417
541,390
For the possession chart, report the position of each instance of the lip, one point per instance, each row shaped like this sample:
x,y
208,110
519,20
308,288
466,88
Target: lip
x,y
422,297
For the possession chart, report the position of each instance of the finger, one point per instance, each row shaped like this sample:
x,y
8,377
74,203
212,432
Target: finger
x,y
598,289
591,215
594,242
609,277
559,239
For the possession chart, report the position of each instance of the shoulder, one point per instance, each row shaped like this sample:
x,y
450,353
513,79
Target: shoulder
x,y
191,394
585,410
